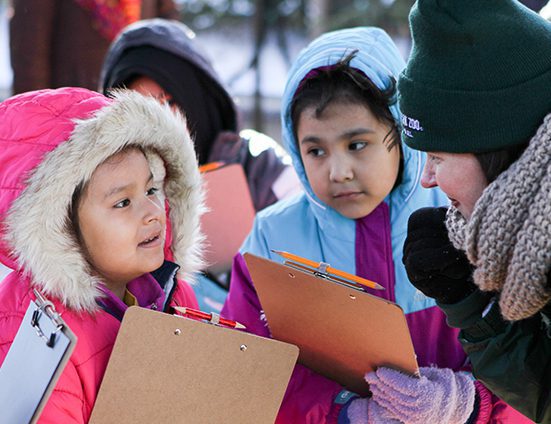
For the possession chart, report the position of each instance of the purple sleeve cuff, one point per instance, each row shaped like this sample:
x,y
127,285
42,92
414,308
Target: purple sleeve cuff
x,y
485,404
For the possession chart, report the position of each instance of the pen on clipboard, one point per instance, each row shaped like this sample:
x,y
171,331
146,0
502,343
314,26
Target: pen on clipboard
x,y
211,317
330,270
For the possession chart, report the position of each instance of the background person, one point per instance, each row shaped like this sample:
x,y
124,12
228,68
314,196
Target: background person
x,y
160,58
58,43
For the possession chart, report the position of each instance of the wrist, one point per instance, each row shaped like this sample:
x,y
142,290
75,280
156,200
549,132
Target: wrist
x,y
490,324
355,412
468,311
344,399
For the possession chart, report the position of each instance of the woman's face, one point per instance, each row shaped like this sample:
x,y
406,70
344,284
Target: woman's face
x,y
459,175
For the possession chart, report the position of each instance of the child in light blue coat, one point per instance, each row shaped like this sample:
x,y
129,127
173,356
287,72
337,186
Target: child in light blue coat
x,y
340,125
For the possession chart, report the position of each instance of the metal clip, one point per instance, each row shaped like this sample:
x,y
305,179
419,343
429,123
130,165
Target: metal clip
x,y
44,306
321,272
322,268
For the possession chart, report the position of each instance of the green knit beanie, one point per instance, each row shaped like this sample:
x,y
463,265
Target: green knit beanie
x,y
479,76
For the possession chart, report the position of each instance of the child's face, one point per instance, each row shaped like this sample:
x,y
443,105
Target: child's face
x,y
121,219
346,162
459,175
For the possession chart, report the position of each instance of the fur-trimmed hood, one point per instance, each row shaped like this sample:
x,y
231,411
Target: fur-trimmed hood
x,y
53,140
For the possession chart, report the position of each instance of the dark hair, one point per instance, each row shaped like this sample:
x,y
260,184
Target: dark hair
x,y
342,83
494,163
73,211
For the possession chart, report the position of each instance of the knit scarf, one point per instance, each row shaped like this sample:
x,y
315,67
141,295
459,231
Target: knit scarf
x,y
109,17
508,237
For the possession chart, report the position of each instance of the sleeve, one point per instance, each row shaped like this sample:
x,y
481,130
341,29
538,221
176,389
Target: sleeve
x,y
31,33
242,303
64,405
310,398
512,359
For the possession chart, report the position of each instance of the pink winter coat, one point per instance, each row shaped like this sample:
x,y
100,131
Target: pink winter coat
x,y
75,393
44,155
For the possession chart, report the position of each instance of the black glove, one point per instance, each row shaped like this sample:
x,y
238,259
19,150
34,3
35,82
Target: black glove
x,y
433,265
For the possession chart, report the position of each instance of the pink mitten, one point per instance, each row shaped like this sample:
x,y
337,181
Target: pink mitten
x,y
440,395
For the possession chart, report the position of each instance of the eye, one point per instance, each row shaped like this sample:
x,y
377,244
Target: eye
x,y
357,145
315,151
152,191
433,158
122,204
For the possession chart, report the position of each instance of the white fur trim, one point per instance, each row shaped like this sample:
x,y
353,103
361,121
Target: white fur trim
x,y
38,221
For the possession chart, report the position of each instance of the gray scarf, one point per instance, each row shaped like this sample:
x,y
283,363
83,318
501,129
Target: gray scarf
x,y
508,237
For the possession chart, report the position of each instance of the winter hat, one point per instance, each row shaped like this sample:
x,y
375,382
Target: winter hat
x,y
478,78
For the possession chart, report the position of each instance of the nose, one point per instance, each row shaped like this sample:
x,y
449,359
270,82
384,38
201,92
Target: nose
x,y
341,170
152,209
428,179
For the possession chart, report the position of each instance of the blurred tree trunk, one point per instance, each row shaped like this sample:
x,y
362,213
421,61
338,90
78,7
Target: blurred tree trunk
x,y
260,29
317,17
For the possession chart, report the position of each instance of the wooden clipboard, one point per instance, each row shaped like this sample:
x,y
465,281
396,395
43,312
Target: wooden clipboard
x,y
37,357
170,369
230,215
342,332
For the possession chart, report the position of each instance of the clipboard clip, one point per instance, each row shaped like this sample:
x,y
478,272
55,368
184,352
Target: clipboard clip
x,y
321,272
327,272
45,307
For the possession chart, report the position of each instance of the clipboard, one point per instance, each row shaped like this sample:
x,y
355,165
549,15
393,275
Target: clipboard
x,y
230,214
41,348
167,369
342,331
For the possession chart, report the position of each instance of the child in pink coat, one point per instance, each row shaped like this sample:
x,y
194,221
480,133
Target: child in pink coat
x,y
86,183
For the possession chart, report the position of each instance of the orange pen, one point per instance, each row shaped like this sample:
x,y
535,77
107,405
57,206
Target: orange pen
x,y
330,270
211,317
211,166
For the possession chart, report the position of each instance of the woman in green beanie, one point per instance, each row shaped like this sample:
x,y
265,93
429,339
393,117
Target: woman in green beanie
x,y
476,97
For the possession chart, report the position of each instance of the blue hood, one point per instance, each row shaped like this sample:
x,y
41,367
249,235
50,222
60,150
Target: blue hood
x,y
379,59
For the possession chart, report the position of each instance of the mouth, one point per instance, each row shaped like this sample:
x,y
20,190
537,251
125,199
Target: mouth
x,y
454,202
347,195
151,241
